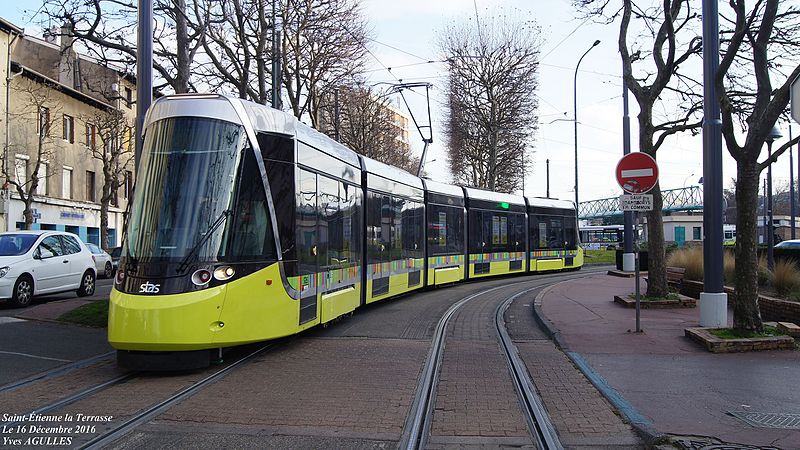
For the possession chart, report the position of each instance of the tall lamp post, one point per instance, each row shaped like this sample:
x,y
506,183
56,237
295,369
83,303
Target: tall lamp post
x,y
575,115
775,133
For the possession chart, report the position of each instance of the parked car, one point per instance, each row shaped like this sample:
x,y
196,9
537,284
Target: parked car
x,y
790,243
102,261
116,252
44,262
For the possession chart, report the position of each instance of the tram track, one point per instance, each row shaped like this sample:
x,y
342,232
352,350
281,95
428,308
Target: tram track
x,y
417,428
105,433
57,371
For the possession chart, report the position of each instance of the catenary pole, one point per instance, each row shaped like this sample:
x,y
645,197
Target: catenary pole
x,y
628,257
575,115
144,72
791,185
713,300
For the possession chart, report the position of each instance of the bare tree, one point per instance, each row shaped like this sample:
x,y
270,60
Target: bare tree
x,y
116,154
491,108
108,30
323,45
237,37
750,107
655,40
26,174
367,125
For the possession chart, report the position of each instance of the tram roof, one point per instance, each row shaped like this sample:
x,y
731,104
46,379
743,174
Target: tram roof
x,y
480,194
263,118
443,188
550,203
390,172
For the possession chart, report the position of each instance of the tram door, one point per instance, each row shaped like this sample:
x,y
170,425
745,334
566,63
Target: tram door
x,y
308,244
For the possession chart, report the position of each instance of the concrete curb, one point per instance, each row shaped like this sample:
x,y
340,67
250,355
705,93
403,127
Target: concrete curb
x,y
642,425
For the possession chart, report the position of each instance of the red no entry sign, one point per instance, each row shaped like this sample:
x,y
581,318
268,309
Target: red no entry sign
x,y
637,173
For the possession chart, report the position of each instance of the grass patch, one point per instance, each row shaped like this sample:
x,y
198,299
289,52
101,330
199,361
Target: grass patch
x,y
730,333
645,298
94,314
601,256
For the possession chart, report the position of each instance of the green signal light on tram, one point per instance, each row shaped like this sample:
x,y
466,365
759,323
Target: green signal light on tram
x,y
504,205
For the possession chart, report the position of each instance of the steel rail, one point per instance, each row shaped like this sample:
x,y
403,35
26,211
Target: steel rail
x,y
73,398
536,416
417,426
106,438
56,371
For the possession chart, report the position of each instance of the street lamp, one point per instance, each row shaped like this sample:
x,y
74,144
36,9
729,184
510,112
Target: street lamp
x,y
575,115
687,179
774,133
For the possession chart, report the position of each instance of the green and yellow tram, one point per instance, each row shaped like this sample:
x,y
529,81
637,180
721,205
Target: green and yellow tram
x,y
248,225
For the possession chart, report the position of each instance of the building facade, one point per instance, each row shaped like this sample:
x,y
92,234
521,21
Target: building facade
x,y
64,115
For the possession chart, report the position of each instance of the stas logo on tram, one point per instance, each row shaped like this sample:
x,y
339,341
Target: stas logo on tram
x,y
149,288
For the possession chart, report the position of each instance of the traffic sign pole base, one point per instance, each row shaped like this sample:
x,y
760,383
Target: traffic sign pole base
x,y
713,310
628,262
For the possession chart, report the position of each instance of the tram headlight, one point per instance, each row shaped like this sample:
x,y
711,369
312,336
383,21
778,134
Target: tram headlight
x,y
201,277
120,276
223,273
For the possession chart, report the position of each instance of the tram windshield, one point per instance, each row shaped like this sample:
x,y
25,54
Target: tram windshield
x,y
184,202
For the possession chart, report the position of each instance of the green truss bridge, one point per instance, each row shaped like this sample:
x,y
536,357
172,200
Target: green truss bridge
x,y
681,199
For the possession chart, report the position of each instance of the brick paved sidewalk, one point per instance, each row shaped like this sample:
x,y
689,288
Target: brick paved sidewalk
x,y
672,383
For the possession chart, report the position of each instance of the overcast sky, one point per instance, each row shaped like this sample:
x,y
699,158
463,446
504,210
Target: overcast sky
x,y
405,34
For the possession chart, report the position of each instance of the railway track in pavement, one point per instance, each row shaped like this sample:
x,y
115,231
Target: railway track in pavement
x,y
420,422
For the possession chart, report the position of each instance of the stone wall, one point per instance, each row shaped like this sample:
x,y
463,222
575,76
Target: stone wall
x,y
772,309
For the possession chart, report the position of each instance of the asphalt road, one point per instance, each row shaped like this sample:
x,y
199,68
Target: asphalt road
x,y
29,347
102,292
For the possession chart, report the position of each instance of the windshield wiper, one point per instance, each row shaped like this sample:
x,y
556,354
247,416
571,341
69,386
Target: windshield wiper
x,y
220,220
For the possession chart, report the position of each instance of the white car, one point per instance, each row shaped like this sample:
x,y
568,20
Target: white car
x,y
102,261
44,262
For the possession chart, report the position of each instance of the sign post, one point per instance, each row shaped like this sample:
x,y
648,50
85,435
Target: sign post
x,y
637,173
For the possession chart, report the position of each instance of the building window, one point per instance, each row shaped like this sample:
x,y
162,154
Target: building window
x,y
69,129
114,198
41,174
128,97
91,135
128,183
43,121
696,233
90,186
21,170
66,183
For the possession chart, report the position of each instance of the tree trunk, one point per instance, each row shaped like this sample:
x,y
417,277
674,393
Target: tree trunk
x,y
746,315
104,224
656,262
182,48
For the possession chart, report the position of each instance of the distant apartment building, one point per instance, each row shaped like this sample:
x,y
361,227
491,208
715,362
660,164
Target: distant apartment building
x,y
73,93
400,122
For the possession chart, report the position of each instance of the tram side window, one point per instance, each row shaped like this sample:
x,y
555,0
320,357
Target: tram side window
x,y
411,229
330,231
480,231
445,230
570,233
251,230
516,232
278,154
378,227
306,222
555,237
351,204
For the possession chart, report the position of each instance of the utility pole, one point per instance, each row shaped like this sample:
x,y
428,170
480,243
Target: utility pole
x,y
276,58
713,299
628,256
548,181
144,72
